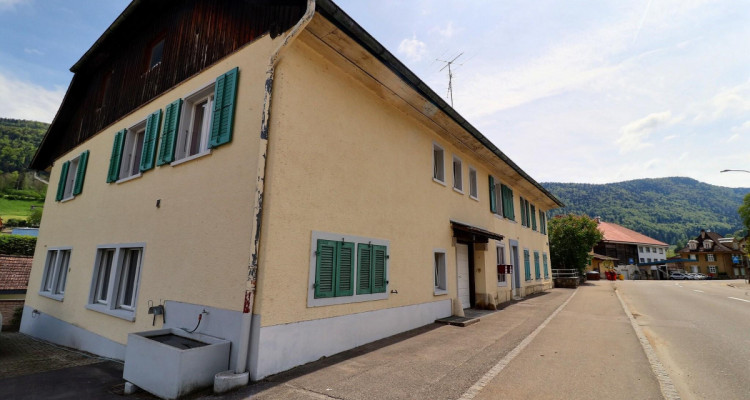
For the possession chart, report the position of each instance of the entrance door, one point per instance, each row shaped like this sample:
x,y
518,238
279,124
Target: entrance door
x,y
516,272
462,269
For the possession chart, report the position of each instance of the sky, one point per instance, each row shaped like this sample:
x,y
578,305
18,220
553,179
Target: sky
x,y
592,91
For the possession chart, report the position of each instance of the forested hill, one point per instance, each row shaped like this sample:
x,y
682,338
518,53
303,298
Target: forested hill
x,y
19,140
668,209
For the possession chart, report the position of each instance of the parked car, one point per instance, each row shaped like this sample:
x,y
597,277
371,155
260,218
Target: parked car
x,y
700,276
678,275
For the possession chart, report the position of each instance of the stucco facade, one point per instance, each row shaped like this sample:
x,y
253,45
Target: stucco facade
x,y
350,163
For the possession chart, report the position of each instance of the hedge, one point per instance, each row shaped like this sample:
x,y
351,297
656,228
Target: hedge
x,y
17,245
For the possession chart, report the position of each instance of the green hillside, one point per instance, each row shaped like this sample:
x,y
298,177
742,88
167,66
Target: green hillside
x,y
668,209
19,190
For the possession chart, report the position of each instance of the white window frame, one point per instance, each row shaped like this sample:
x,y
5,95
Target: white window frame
x,y
710,257
458,174
132,151
440,272
354,298
114,303
55,275
70,179
185,131
473,184
498,198
692,257
501,261
711,269
438,171
661,250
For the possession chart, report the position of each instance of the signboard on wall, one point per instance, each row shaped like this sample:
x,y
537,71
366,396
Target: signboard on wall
x,y
504,269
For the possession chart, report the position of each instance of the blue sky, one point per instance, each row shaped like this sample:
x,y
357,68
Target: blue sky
x,y
575,91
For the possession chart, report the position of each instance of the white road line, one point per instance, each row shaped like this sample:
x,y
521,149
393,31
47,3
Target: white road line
x,y
665,382
492,373
699,291
734,298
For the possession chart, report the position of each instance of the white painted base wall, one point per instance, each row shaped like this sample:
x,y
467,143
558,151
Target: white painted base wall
x,y
280,347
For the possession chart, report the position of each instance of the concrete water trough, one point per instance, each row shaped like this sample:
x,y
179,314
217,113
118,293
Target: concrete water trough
x,y
170,363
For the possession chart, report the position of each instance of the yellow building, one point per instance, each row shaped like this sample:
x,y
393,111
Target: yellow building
x,y
284,177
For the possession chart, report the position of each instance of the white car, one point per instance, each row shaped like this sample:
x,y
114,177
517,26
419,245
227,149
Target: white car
x,y
678,275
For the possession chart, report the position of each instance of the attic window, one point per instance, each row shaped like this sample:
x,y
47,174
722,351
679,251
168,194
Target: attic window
x,y
156,51
693,244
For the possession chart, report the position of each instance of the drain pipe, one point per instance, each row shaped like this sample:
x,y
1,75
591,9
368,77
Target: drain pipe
x,y
252,272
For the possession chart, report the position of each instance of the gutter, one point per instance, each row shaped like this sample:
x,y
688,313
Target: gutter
x,y
252,271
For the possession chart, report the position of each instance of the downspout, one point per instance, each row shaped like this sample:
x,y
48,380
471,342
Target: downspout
x,y
252,271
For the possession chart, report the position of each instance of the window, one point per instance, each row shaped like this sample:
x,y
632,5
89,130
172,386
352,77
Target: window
x,y
458,180
648,259
200,122
661,250
527,264
692,257
546,269
526,213
347,269
542,222
643,259
537,271
134,149
507,196
710,257
495,194
441,285
155,52
473,188
501,281
114,287
523,211
71,177
711,269
648,249
55,273
653,250
533,217
438,163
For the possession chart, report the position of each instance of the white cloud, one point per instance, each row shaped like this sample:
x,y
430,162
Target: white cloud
x,y
413,49
635,134
10,4
33,51
447,32
727,102
744,127
24,100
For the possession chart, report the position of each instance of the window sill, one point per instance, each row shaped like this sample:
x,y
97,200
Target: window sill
x,y
58,297
67,199
436,180
329,301
457,190
129,178
502,284
474,198
190,158
439,292
122,314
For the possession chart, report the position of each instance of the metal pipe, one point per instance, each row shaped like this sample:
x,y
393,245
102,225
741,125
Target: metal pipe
x,y
252,271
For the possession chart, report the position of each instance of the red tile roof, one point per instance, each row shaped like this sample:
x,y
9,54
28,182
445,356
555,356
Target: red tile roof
x,y
14,272
616,233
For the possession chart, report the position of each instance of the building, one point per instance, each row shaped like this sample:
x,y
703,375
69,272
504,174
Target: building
x,y
14,280
714,255
638,256
271,168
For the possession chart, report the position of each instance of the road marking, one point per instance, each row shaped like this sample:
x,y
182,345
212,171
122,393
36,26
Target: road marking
x,y
734,298
699,291
492,373
665,382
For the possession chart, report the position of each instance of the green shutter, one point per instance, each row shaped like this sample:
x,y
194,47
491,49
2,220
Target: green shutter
x,y
325,268
225,93
345,281
169,134
512,211
523,212
533,217
537,272
61,182
116,157
493,199
151,137
527,265
526,210
83,161
544,261
364,269
379,268
507,194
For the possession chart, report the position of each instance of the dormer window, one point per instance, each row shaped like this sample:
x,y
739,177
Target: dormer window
x,y
708,244
693,244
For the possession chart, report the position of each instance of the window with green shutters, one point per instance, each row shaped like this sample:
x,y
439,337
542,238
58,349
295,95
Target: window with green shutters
x,y
151,138
72,176
169,136
537,270
544,263
347,269
532,213
527,264
134,149
507,194
493,198
223,115
542,222
523,211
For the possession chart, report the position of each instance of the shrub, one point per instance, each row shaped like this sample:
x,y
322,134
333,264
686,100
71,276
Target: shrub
x,y
17,245
15,321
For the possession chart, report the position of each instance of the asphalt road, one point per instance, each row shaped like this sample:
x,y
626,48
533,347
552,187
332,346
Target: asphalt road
x,y
700,331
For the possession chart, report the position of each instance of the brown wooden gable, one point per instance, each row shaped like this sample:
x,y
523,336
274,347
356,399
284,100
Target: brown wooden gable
x,y
114,77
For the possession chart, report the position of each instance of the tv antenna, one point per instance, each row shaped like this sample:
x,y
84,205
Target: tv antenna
x,y
449,64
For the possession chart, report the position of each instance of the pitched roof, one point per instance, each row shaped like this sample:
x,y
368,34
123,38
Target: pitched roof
x,y
716,248
616,233
14,272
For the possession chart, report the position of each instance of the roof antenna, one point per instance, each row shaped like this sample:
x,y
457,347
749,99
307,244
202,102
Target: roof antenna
x,y
448,65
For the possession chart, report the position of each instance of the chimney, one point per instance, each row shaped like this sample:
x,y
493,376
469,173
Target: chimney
x,y
598,220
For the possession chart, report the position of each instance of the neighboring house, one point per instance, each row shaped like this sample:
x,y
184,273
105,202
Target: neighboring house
x,y
715,255
14,279
601,263
638,256
272,165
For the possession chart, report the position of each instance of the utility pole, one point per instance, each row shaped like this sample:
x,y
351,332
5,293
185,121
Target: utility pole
x,y
449,64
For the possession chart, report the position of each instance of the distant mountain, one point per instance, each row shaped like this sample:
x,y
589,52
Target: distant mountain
x,y
668,209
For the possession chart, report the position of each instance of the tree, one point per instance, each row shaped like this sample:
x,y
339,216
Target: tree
x,y
571,238
35,218
744,211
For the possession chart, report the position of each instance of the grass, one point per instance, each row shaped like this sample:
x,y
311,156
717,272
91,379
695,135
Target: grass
x,y
18,209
